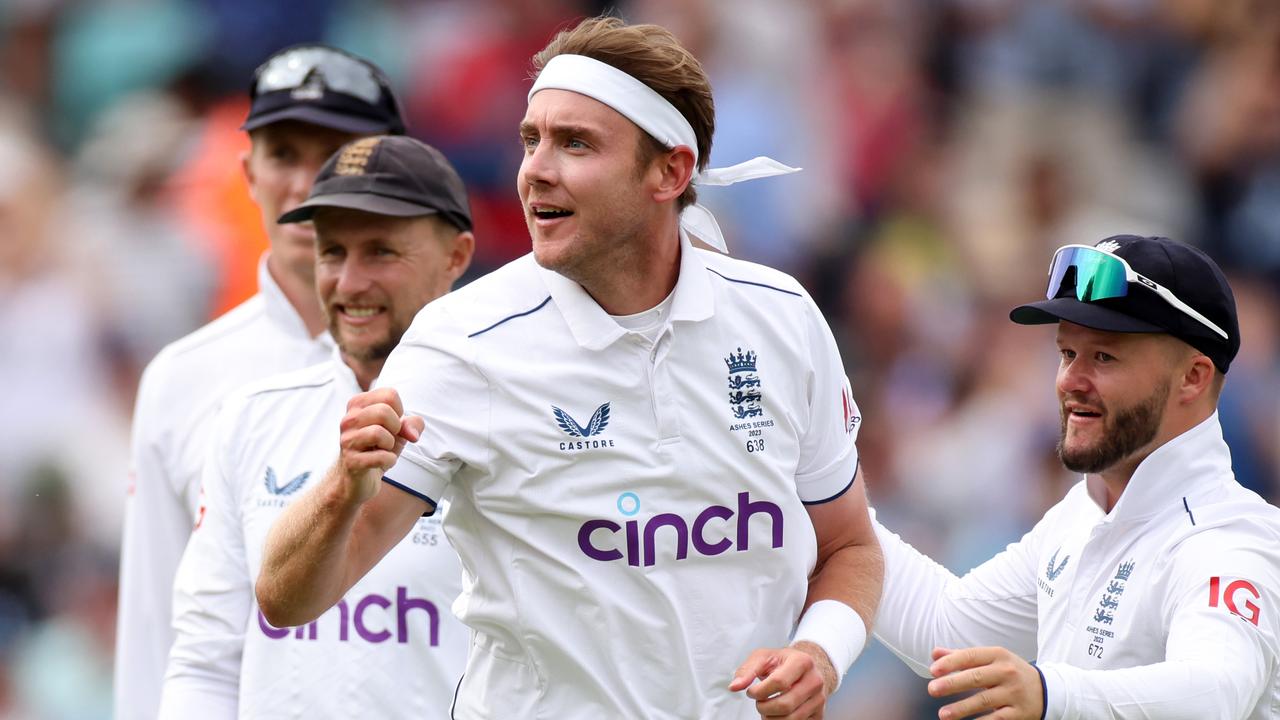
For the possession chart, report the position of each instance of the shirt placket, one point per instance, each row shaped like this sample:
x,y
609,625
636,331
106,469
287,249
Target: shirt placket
x,y
666,410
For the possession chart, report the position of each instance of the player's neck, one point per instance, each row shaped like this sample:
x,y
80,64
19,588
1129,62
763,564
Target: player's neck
x,y
301,294
642,279
365,371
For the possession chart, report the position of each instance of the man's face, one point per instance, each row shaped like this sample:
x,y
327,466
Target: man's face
x,y
1113,390
283,161
374,272
586,196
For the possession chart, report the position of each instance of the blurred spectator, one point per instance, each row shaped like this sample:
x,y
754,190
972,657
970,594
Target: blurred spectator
x,y
54,373
471,76
157,280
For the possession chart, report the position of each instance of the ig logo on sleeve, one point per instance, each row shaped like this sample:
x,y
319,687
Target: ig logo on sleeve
x,y
1231,596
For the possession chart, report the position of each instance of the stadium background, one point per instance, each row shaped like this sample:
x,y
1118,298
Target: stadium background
x,y
948,146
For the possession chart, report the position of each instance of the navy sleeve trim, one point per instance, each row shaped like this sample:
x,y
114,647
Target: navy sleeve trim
x,y
414,493
1044,693
852,480
1188,509
748,282
453,706
512,317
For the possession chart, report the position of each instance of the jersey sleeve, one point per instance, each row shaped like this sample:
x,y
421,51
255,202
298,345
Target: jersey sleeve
x,y
828,455
157,523
433,371
1221,650
213,593
924,605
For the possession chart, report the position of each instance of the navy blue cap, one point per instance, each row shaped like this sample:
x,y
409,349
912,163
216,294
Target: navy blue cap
x,y
388,175
1183,270
324,86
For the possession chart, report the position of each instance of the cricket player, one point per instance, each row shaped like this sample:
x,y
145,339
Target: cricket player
x,y
305,103
393,232
1150,590
648,447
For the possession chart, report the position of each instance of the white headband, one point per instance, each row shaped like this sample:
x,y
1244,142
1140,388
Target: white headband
x,y
643,106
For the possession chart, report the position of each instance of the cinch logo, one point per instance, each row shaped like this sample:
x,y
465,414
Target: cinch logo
x,y
288,488
598,538
1229,597
348,620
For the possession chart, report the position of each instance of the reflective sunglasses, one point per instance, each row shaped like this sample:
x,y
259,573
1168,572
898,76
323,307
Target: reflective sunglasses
x,y
341,73
1102,276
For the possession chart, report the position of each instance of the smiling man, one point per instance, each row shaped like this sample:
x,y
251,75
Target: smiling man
x,y
393,232
1150,590
305,102
648,447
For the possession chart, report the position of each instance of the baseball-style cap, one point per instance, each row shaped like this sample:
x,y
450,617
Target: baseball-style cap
x,y
388,175
1128,283
324,86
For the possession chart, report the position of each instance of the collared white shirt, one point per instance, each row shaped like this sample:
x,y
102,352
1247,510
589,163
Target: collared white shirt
x,y
179,394
1166,607
389,649
630,514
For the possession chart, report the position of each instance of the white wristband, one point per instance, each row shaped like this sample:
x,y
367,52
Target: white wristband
x,y
836,628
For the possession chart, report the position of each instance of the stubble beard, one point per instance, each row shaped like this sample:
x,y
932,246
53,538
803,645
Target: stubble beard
x,y
594,256
1132,429
377,351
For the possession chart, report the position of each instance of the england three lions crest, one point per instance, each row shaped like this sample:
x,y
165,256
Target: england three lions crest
x,y
744,385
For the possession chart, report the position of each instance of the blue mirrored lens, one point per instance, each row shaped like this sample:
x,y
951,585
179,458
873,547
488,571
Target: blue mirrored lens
x,y
1098,276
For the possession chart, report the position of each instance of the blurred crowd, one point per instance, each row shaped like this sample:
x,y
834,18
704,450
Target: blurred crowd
x,y
948,147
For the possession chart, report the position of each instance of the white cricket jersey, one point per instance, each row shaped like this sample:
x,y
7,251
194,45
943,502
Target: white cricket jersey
x,y
389,649
1166,607
180,392
630,514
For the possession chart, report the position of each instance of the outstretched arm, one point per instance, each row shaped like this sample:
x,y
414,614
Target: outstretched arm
x,y
925,606
330,538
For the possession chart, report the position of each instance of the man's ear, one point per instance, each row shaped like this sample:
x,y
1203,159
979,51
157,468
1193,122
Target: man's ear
x,y
1196,379
247,168
461,250
675,168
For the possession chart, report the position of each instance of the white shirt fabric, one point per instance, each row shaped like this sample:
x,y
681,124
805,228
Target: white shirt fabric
x,y
630,515
1166,607
389,649
180,392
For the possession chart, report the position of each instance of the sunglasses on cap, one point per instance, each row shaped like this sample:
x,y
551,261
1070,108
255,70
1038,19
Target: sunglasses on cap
x,y
292,69
1102,276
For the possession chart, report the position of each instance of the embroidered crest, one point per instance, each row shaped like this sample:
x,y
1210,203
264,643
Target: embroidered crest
x,y
1105,613
355,156
1108,246
744,385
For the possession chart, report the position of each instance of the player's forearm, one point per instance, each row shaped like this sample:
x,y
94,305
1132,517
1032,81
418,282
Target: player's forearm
x,y
307,559
1174,690
852,575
